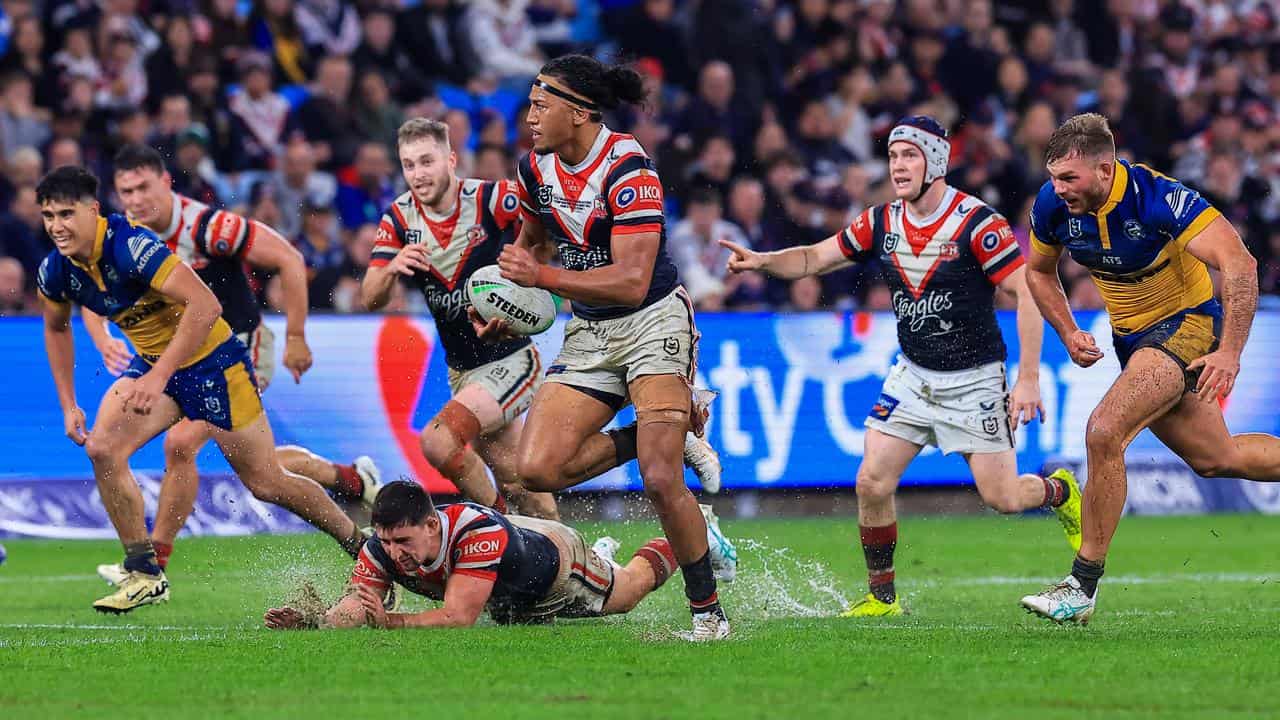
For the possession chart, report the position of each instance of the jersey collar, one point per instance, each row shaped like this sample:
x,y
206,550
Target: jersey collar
x,y
95,255
445,531
1119,182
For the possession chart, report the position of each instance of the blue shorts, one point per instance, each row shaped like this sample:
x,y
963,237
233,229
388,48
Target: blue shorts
x,y
1184,336
220,388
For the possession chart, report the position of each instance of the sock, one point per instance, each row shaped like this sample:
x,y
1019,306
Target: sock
x,y
141,557
624,443
658,553
163,551
354,542
878,544
1056,492
500,503
700,585
1087,573
349,482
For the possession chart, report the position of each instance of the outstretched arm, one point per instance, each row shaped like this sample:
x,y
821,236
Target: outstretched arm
x,y
464,599
794,262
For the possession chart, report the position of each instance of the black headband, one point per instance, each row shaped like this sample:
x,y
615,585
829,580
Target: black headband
x,y
580,102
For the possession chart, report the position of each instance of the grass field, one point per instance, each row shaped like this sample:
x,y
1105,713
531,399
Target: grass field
x,y
1187,627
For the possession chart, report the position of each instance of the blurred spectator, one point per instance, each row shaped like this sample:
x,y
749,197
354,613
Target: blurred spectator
x,y
14,297
365,191
649,29
504,39
817,143
324,254
326,119
167,68
328,27
194,173
378,116
295,181
436,37
703,263
123,82
459,124
261,112
29,55
273,26
713,168
22,235
379,52
22,124
493,162
713,111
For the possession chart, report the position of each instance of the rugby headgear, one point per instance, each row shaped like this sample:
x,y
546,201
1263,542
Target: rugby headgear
x,y
931,138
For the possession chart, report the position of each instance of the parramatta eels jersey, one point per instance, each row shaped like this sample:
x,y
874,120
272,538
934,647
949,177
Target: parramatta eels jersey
x,y
1134,246
121,281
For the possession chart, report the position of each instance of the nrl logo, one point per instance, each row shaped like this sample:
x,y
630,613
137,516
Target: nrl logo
x,y
413,236
990,425
891,241
1074,228
544,195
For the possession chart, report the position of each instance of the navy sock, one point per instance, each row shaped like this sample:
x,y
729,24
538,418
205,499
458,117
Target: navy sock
x,y
1087,573
700,585
141,557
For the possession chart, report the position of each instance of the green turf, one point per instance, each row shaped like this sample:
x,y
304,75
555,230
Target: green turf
x,y
1187,627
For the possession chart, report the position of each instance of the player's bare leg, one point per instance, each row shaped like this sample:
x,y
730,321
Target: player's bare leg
x,y
448,438
662,405
1197,432
117,434
499,450
251,453
561,426
1006,491
884,458
180,484
648,569
1150,385
349,481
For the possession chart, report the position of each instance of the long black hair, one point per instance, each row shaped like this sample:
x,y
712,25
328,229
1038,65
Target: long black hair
x,y
608,86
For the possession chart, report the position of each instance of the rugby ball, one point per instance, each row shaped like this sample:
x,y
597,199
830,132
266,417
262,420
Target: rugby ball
x,y
528,311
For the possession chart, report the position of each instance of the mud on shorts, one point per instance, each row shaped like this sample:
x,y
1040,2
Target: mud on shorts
x,y
262,353
1184,336
602,357
219,388
580,589
966,411
511,380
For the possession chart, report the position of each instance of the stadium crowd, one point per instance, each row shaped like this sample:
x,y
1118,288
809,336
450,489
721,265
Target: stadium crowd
x,y
767,118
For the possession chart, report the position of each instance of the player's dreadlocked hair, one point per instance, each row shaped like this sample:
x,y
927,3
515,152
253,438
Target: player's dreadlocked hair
x,y
605,85
136,156
69,183
403,502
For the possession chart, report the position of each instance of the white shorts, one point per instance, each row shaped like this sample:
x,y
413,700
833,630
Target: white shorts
x,y
580,589
262,352
966,411
604,356
511,380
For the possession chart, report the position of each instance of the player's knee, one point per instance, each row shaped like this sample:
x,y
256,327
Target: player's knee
x,y
663,486
102,451
537,475
264,486
1103,434
437,445
874,486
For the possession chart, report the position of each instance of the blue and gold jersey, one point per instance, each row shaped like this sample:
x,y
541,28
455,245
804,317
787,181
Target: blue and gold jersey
x,y
1134,246
122,281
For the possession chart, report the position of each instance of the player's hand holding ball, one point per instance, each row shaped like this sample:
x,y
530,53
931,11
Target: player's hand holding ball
x,y
75,426
742,259
1218,372
502,308
1083,349
518,266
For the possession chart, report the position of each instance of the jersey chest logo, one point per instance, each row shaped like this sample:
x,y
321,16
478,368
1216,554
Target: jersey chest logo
x,y
916,254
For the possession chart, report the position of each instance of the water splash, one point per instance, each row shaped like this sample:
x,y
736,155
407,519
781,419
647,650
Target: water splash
x,y
773,583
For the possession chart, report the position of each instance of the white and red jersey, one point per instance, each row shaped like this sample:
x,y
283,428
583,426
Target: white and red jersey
x,y
467,239
942,271
476,541
614,191
215,243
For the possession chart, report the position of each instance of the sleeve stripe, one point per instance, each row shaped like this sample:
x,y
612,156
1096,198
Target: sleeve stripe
x,y
846,242
482,574
480,531
636,229
998,274
1206,216
1011,247
616,186
477,565
1052,251
166,269
644,213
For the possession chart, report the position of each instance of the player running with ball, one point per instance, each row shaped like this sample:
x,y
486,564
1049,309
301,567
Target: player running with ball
x,y
1146,240
594,194
943,253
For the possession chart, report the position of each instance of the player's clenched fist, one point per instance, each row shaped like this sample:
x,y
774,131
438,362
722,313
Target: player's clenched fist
x,y
411,259
145,392
297,356
1083,349
742,259
74,425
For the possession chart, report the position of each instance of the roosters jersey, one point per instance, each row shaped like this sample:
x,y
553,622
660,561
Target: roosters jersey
x,y
1135,245
122,281
458,244
475,541
942,271
214,243
614,191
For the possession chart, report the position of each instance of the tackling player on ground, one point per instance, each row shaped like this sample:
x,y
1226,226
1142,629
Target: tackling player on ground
x,y
1146,240
188,365
519,569
594,195
217,244
943,253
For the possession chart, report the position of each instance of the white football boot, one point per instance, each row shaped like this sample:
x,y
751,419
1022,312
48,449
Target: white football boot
x,y
607,548
700,457
371,476
724,556
708,626
113,573
1064,602
135,590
